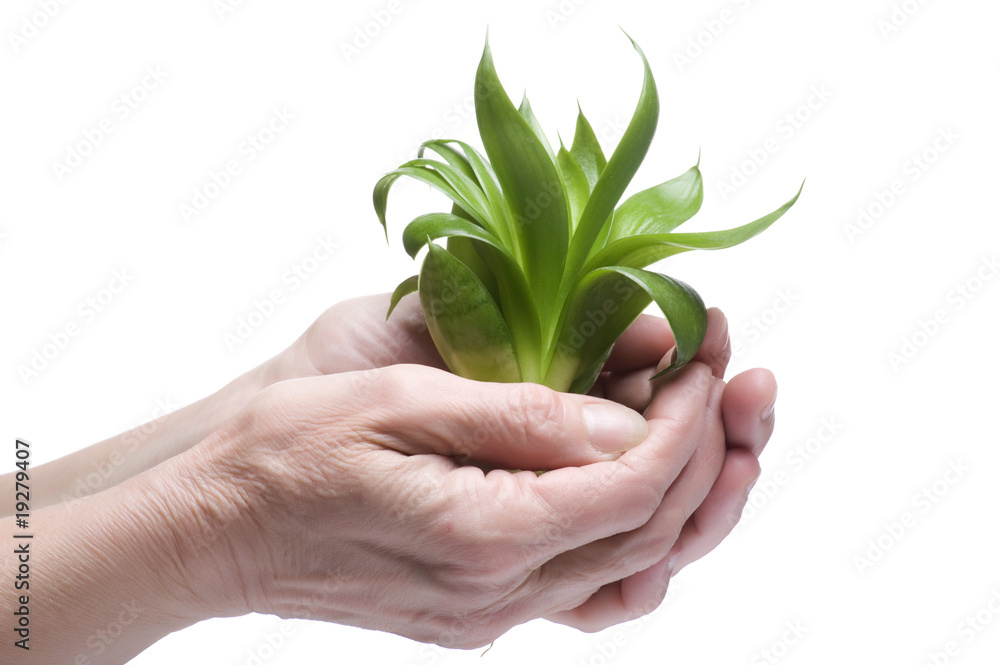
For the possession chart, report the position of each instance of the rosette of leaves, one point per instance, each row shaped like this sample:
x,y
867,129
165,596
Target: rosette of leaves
x,y
543,266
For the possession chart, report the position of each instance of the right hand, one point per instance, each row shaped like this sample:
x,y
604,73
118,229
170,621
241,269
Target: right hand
x,y
340,498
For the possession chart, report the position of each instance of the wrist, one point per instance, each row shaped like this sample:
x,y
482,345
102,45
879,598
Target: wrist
x,y
98,588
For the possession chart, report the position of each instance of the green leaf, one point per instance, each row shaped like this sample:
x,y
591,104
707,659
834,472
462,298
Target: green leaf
x,y
455,158
617,174
464,249
496,269
529,117
659,209
531,186
380,195
405,288
643,250
576,184
488,181
587,150
463,191
436,225
464,321
604,303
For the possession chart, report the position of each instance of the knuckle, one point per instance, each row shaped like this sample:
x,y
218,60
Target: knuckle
x,y
536,411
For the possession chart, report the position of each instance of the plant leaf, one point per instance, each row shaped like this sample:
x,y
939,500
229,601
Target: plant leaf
x,y
529,117
456,159
659,209
575,180
464,321
531,186
587,150
643,250
617,174
380,195
603,304
405,288
432,226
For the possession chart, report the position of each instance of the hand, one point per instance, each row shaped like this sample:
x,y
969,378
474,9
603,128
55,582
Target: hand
x,y
338,498
748,416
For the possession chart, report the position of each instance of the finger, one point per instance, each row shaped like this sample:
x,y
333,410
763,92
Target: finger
x,y
622,601
578,506
719,513
508,425
633,388
715,350
641,345
619,556
371,340
748,409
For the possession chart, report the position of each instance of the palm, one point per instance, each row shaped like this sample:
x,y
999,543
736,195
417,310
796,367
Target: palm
x,y
355,335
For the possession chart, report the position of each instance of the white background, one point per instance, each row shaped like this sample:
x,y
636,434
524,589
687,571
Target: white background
x,y
877,433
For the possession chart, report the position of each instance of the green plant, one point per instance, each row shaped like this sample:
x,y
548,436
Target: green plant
x,y
542,272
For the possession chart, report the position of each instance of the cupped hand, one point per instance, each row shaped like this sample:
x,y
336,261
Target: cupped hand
x,y
747,406
343,498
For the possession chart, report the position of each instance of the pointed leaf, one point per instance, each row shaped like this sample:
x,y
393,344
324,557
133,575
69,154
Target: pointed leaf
x,y
603,304
455,158
380,195
659,209
587,150
643,250
621,167
405,288
575,180
436,225
464,321
529,116
531,186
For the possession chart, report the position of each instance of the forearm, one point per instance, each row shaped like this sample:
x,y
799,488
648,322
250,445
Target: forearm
x,y
108,463
96,584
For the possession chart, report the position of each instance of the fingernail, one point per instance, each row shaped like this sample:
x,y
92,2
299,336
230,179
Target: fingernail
x,y
769,410
752,484
723,333
613,428
675,553
667,360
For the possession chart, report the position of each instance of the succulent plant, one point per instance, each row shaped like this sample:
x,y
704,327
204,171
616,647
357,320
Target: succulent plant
x,y
543,267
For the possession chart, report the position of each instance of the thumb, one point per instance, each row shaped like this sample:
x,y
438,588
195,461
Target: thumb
x,y
510,425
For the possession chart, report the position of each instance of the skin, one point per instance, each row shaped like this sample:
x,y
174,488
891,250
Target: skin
x,y
351,479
